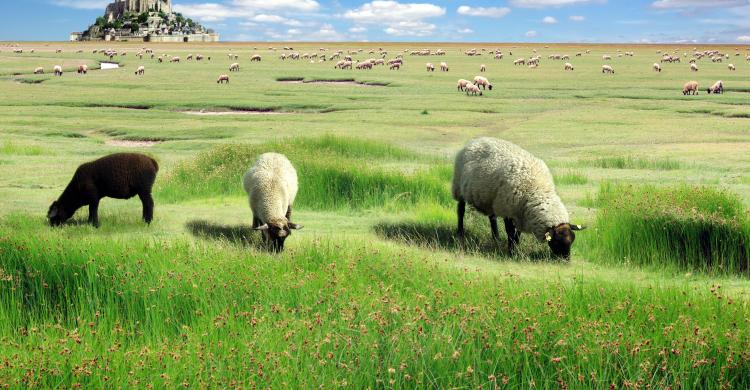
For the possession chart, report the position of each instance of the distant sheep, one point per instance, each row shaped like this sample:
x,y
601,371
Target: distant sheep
x,y
569,66
717,88
58,70
500,179
482,68
255,58
694,67
731,67
395,66
606,58
83,69
430,67
39,70
690,88
519,61
462,84
607,69
175,60
223,79
473,89
444,67
656,67
139,72
271,187
483,82
235,67
119,176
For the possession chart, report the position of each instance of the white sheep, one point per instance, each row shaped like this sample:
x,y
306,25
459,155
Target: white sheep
x,y
58,70
39,70
482,68
606,58
235,67
462,84
607,69
256,58
519,61
444,67
480,81
500,179
569,66
694,67
430,67
717,88
473,89
731,67
271,186
141,69
657,67
690,88
83,69
223,79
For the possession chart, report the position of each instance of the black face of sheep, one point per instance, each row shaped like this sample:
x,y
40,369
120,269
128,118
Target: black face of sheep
x,y
560,239
57,214
276,235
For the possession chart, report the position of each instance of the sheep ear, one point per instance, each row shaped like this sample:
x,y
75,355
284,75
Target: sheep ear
x,y
548,237
295,226
577,227
263,227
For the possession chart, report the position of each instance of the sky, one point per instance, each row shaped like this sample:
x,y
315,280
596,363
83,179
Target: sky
x,y
594,21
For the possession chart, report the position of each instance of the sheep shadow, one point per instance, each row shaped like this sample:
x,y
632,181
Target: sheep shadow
x,y
443,237
242,235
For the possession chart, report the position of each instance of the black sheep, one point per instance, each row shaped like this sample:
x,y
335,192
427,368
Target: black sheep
x,y
119,176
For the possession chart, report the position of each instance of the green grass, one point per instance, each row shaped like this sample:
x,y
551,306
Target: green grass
x,y
630,162
571,178
334,173
686,227
11,148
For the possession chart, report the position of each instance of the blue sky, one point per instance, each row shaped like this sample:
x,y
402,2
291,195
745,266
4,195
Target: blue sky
x,y
638,21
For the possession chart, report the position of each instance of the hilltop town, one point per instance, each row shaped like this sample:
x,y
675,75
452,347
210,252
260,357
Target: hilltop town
x,y
147,21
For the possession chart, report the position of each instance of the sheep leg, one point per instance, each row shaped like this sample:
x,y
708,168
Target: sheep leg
x,y
148,206
94,213
256,222
493,228
289,213
513,235
461,211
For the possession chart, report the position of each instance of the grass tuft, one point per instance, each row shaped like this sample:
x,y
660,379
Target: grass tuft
x,y
629,162
11,148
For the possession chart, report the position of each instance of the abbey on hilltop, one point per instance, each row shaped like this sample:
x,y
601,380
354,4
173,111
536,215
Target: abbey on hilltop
x,y
147,21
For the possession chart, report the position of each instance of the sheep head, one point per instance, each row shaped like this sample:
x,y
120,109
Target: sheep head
x,y
276,232
561,237
57,214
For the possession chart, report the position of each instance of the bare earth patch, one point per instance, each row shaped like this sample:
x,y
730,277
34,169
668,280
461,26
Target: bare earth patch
x,y
132,144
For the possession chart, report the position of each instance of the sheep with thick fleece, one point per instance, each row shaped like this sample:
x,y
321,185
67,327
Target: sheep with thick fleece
x,y
39,70
500,179
444,67
690,88
235,67
607,69
271,186
482,68
657,67
462,84
141,69
717,88
473,89
58,70
430,67
568,66
223,79
731,67
483,82
694,67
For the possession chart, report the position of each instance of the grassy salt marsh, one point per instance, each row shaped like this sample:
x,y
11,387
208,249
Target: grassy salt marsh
x,y
375,292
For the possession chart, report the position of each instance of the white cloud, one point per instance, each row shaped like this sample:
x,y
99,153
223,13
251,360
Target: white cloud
x,y
82,4
743,38
465,31
577,18
531,34
489,12
697,3
549,20
293,5
401,19
357,29
550,3
209,12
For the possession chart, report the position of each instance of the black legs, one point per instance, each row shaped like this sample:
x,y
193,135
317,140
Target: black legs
x,y
514,235
461,211
148,206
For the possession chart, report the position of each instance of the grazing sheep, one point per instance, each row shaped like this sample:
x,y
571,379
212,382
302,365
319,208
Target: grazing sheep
x,y
119,176
519,61
607,69
480,81
58,70
395,66
235,67
444,67
690,88
462,84
657,67
175,59
255,58
160,60
569,66
482,68
500,179
139,72
717,88
473,89
83,69
271,186
39,70
606,58
731,67
223,79
694,67
430,67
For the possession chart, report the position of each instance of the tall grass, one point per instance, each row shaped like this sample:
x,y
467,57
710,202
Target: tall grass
x,y
12,148
630,162
334,173
686,227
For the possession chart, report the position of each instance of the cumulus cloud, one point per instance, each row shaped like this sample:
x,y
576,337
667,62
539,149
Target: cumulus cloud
x,y
677,4
401,19
489,12
465,31
577,18
549,20
743,38
531,34
82,4
295,5
550,3
357,29
210,12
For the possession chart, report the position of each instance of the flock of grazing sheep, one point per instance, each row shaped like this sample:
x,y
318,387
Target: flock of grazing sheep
x,y
347,60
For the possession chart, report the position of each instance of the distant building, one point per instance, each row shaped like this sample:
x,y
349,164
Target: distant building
x,y
147,21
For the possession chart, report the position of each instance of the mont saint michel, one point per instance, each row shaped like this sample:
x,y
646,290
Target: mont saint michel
x,y
147,21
